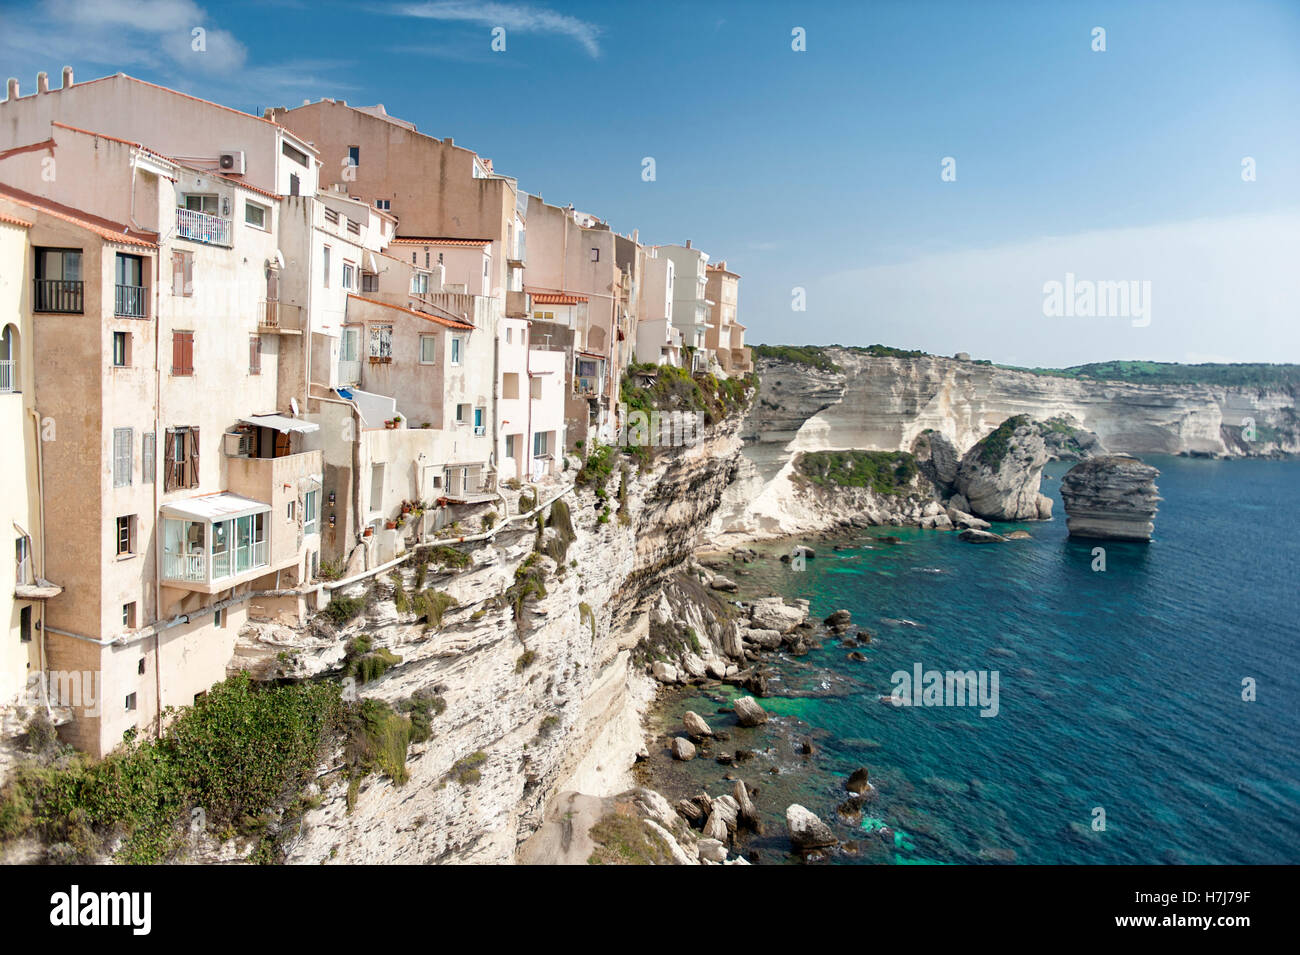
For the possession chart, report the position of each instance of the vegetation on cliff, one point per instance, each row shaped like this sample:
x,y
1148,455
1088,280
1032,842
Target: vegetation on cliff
x,y
994,446
1243,375
669,388
885,472
811,355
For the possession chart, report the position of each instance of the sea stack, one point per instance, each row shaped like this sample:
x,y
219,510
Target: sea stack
x,y
999,476
1111,498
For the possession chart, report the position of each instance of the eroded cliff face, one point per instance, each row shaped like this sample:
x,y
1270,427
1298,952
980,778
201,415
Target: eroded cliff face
x,y
552,702
885,403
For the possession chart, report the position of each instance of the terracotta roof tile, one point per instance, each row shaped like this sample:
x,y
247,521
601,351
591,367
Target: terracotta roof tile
x,y
427,316
556,298
439,240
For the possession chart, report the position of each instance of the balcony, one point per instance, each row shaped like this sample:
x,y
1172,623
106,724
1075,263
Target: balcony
x,y
8,377
516,304
130,301
349,372
59,295
213,542
586,387
201,227
279,318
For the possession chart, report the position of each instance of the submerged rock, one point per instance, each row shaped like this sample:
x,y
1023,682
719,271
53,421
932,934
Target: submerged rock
x,y
858,781
1111,498
683,749
695,726
981,537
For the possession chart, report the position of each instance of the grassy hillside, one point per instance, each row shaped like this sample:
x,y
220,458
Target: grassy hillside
x,y
1246,375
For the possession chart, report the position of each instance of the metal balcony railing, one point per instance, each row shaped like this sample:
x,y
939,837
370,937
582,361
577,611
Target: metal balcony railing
x,y
280,315
190,567
8,376
130,301
60,295
202,227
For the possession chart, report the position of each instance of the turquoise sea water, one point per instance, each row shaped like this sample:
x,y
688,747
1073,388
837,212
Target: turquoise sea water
x,y
1120,689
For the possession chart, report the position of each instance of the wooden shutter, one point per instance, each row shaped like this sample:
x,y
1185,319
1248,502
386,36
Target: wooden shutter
x,y
170,477
178,273
254,355
187,342
193,468
189,273
177,353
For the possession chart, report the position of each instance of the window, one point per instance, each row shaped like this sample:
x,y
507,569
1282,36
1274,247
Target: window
x,y
219,618
129,292
510,385
420,283
369,282
426,258
147,455
349,275
535,389
182,353
311,512
122,441
256,215
595,255
332,216
22,560
128,621
130,702
293,184
376,487
428,349
139,667
479,427
59,285
183,274
511,444
297,155
382,204
462,412
254,355
510,334
202,203
121,349
540,444
25,625
381,342
455,351
327,264
126,536
182,463
354,227
544,316
290,511
354,155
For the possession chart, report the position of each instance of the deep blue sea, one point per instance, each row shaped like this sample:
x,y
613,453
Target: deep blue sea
x,y
1119,690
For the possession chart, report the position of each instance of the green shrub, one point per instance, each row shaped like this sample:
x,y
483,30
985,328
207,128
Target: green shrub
x,y
885,472
341,609
994,446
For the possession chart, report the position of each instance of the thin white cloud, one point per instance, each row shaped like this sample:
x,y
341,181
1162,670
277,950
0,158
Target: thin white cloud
x,y
157,37
516,17
1222,288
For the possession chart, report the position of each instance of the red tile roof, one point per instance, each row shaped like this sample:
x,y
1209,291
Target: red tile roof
x,y
439,240
13,220
557,298
427,316
104,228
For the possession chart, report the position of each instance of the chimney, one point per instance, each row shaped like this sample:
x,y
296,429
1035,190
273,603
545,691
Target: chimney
x,y
42,82
67,77
688,243
448,141
13,88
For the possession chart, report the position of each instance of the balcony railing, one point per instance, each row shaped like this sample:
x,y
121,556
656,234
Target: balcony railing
x,y
280,315
8,376
185,567
202,227
129,301
60,295
349,371
586,387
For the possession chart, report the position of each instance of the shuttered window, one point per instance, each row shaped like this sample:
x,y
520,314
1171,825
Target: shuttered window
x,y
182,353
148,453
122,441
181,461
183,274
254,355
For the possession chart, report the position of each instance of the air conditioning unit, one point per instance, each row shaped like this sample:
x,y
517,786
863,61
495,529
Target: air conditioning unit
x,y
232,162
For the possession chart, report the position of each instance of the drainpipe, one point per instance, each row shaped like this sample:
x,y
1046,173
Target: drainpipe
x,y
157,433
40,490
528,374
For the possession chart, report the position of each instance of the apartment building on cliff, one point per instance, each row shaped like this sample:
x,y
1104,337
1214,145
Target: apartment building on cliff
x,y
691,304
24,588
725,336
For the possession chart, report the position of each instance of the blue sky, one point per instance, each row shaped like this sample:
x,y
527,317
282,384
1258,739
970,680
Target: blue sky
x,y
821,169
